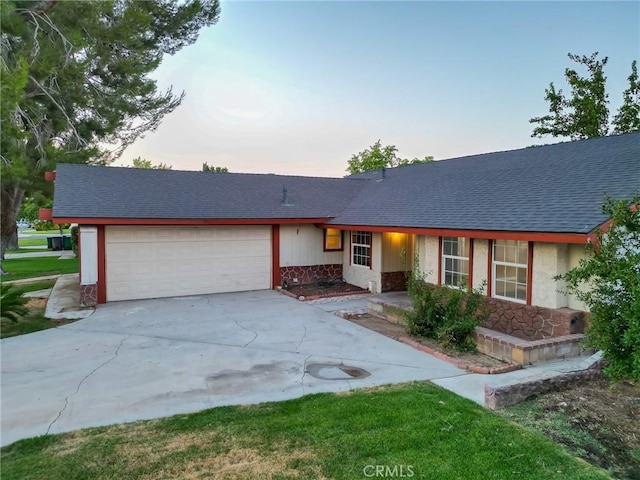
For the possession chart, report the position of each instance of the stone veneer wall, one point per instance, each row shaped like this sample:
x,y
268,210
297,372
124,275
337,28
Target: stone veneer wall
x,y
89,295
309,274
533,323
393,281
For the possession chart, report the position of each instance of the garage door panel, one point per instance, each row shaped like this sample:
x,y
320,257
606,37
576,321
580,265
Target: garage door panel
x,y
148,262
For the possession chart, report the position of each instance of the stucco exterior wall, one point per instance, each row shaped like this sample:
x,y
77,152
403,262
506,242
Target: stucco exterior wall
x,y
359,275
428,258
303,245
575,254
549,260
480,259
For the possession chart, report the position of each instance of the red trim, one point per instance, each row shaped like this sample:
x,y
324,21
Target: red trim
x,y
50,176
371,251
529,272
187,221
439,260
275,256
350,247
470,278
324,241
489,268
102,266
46,214
580,238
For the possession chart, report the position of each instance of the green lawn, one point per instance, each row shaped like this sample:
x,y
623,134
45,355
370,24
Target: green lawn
x,y
46,232
29,250
32,242
34,320
19,268
416,429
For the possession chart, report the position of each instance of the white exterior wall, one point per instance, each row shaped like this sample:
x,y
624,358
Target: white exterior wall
x,y
549,260
362,276
302,245
397,252
480,259
89,255
428,257
575,254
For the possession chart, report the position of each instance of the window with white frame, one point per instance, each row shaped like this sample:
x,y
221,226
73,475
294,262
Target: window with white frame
x,y
455,261
361,248
510,263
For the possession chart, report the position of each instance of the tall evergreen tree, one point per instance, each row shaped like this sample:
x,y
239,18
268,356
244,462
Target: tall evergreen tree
x,y
75,83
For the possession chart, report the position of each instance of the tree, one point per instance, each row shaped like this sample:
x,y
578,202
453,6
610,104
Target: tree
x,y
628,117
585,113
612,273
139,162
212,169
76,87
377,157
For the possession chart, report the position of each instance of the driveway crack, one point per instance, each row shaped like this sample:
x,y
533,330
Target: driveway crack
x,y
66,399
302,339
237,322
304,373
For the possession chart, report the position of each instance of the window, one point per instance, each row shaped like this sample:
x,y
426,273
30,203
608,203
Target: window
x,y
510,258
455,261
361,248
332,239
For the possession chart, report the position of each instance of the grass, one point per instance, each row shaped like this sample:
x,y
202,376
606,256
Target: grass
x,y
34,320
32,242
55,231
415,428
20,268
28,250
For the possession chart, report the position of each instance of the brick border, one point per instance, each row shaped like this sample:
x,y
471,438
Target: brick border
x,y
459,363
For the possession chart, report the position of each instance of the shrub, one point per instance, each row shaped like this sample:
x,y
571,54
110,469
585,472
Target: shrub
x,y
611,272
12,303
447,315
74,239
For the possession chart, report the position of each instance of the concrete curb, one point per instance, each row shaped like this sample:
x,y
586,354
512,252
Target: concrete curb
x,y
31,280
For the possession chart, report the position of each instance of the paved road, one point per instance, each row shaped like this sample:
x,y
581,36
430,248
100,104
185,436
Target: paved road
x,y
152,358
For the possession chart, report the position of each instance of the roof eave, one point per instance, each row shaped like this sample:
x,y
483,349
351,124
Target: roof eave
x,y
551,237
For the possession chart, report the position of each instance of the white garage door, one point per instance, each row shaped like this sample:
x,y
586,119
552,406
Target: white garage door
x,y
151,262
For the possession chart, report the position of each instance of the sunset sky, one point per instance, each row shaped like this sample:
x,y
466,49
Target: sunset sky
x,y
298,87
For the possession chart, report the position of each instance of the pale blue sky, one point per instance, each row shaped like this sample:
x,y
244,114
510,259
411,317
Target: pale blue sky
x,y
298,87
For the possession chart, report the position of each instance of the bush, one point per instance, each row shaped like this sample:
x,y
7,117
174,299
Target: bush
x,y
447,315
41,225
74,240
12,303
612,274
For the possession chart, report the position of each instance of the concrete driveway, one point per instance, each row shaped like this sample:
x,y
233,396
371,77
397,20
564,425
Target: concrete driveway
x,y
153,358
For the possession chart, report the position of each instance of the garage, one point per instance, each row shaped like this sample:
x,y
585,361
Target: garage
x,y
169,261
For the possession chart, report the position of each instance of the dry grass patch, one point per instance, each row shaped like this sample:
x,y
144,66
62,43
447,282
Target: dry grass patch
x,y
241,463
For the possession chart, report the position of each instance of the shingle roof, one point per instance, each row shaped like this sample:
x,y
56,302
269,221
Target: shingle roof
x,y
83,191
553,188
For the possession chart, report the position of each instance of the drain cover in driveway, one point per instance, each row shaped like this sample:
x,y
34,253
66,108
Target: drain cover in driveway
x,y
334,371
